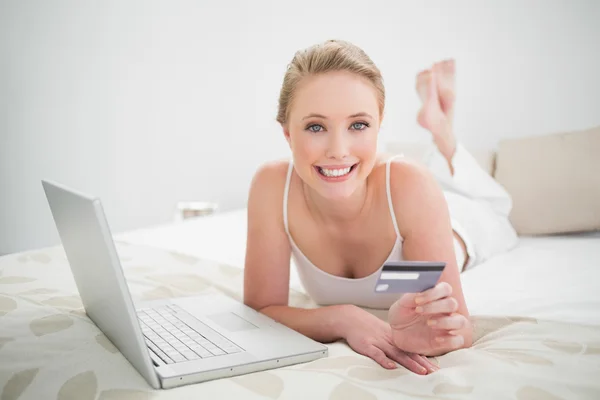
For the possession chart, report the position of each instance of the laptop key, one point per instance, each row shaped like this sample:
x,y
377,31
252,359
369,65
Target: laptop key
x,y
190,355
216,351
159,352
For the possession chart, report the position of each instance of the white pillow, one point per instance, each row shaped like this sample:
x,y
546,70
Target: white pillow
x,y
554,181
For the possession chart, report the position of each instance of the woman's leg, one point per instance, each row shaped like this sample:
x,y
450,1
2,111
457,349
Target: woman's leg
x,y
479,206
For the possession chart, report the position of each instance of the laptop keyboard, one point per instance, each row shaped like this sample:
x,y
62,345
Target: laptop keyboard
x,y
177,336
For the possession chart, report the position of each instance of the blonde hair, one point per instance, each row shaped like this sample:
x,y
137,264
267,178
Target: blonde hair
x,y
332,55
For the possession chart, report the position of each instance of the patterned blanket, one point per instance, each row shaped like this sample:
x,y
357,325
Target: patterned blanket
x,y
50,349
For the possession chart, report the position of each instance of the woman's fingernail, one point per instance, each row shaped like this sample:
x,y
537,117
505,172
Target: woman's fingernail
x,y
419,309
439,339
459,341
431,322
419,300
392,365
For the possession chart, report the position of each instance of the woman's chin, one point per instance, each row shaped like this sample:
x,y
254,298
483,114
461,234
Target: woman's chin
x,y
338,193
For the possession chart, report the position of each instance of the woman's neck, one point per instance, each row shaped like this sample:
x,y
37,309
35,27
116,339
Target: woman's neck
x,y
339,212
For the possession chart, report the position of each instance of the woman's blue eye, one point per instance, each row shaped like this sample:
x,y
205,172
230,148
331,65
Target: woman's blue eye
x,y
315,128
359,126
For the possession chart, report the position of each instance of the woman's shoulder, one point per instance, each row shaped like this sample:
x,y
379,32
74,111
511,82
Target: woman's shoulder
x,y
268,183
401,168
272,171
410,180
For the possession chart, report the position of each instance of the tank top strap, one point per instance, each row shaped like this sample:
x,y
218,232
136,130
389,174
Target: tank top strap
x,y
286,190
389,193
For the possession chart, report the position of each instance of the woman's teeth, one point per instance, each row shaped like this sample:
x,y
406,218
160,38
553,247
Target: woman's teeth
x,y
334,172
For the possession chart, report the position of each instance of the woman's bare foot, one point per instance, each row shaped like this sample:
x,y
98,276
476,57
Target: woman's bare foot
x,y
445,73
432,117
422,84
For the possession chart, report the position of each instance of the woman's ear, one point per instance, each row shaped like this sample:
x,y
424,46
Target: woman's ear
x,y
286,134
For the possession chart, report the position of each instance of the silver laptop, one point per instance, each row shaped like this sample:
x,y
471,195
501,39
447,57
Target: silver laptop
x,y
170,342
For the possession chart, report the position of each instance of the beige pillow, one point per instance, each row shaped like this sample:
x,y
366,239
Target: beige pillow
x,y
554,181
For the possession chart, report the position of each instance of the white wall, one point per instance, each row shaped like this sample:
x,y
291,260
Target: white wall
x,y
149,102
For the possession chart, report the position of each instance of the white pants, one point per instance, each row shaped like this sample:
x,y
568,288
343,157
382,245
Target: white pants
x,y
478,205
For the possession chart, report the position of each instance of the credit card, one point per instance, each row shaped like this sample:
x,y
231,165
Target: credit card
x,y
409,276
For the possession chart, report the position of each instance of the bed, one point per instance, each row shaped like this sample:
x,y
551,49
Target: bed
x,y
536,311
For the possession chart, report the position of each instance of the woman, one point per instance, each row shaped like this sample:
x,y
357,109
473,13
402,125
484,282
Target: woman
x,y
341,211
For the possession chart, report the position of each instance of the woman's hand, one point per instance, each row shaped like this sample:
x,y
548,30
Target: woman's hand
x,y
372,337
427,323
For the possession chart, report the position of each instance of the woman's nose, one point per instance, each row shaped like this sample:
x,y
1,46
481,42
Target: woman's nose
x,y
338,145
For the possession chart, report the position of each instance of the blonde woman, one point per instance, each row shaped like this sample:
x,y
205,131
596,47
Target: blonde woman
x,y
341,211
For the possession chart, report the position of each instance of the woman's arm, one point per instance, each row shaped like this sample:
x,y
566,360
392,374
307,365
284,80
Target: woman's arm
x,y
424,221
267,265
266,283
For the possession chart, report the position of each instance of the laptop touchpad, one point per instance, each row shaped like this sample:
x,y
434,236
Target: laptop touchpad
x,y
232,322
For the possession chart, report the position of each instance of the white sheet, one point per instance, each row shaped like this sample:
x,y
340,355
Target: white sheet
x,y
554,278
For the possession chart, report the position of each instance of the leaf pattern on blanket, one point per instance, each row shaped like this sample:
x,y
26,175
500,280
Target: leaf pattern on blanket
x,y
533,393
41,258
80,313
451,388
50,324
511,355
346,390
15,279
17,384
586,392
230,271
342,362
7,305
566,347
187,283
160,292
4,340
65,302
125,394
529,355
82,386
33,292
107,344
483,327
141,269
184,258
377,373
263,383
592,348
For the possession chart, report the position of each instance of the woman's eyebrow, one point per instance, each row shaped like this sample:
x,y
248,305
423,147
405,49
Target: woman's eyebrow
x,y
360,114
313,115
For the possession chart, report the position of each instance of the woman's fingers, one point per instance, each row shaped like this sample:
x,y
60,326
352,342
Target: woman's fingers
x,y
419,300
413,362
379,357
410,364
439,291
450,323
447,305
450,341
424,361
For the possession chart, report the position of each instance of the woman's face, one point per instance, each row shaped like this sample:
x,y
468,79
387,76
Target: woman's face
x,y
332,131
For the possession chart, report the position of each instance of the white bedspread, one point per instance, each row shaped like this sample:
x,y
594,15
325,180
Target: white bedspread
x,y
535,310
554,277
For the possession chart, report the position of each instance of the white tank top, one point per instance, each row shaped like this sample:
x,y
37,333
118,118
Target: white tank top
x,y
328,289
